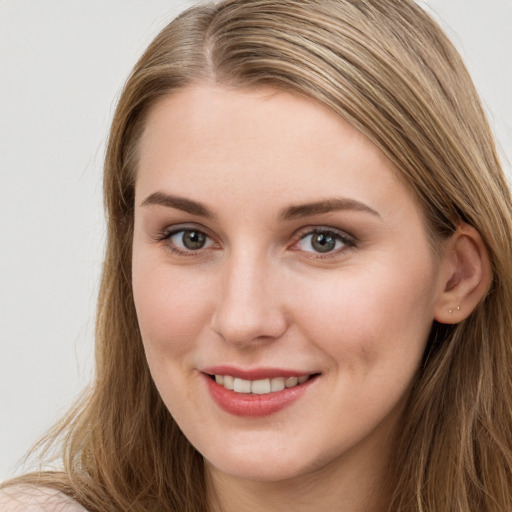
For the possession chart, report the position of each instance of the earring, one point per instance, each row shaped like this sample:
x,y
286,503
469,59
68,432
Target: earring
x,y
450,312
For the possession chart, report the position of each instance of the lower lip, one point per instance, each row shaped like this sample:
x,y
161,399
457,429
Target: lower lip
x,y
248,404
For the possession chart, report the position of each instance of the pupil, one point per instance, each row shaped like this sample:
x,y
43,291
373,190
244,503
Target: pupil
x,y
193,240
323,243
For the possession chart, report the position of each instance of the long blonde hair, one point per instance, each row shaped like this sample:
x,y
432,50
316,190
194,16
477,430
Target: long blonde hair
x,y
386,68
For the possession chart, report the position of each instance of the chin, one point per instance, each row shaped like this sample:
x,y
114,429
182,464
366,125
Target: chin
x,y
272,462
259,471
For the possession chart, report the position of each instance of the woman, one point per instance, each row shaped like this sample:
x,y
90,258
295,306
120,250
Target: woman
x,y
305,296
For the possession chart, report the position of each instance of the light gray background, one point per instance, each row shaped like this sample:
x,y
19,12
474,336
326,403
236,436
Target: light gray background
x,y
62,65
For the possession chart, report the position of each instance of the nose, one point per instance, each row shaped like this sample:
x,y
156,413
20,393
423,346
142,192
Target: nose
x,y
250,304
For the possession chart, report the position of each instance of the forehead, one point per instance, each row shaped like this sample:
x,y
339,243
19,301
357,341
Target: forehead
x,y
205,141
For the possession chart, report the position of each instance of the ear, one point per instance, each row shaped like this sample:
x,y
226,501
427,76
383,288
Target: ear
x,y
466,274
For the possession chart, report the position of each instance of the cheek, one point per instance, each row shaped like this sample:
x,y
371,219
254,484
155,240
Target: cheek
x,y
171,308
171,312
377,317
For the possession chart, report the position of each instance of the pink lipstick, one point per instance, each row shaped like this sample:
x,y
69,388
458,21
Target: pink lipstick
x,y
256,392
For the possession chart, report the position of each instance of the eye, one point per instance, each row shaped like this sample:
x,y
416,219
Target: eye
x,y
323,241
187,241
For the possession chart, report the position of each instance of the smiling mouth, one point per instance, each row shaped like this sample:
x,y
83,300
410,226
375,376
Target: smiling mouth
x,y
260,386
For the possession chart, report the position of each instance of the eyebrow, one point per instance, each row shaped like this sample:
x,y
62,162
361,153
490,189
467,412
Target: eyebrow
x,y
179,203
325,206
289,213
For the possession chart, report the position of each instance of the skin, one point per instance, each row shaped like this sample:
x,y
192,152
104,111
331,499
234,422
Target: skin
x,y
259,295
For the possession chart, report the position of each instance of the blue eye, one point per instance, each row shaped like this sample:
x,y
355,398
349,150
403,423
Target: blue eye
x,y
190,240
322,241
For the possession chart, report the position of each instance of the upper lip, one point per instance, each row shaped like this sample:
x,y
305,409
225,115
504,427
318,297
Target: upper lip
x,y
254,373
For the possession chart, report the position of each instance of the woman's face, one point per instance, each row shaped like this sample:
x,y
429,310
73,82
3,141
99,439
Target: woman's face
x,y
274,242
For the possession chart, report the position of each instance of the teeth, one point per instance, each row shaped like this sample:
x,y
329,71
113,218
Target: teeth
x,y
277,384
290,382
228,382
261,386
242,386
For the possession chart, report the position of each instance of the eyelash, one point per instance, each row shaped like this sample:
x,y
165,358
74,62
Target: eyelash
x,y
348,241
166,234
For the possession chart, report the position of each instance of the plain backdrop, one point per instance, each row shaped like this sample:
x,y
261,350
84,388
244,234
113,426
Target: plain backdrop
x,y
62,66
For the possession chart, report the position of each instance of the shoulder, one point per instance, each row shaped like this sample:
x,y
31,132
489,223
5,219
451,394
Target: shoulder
x,y
28,498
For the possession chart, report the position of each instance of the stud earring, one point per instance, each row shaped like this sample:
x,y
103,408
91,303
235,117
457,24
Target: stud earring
x,y
450,312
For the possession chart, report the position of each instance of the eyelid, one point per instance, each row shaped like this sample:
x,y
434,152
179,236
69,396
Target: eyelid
x,y
348,240
165,234
172,229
